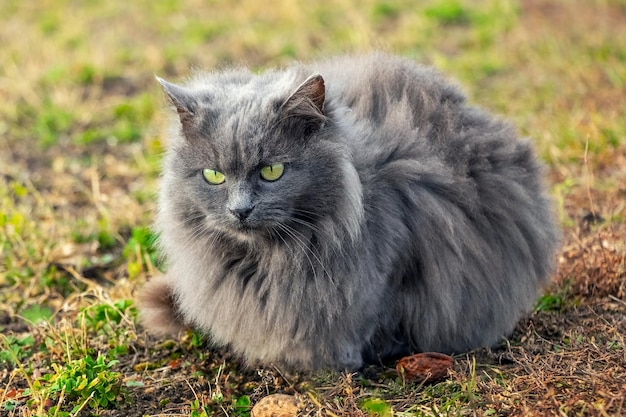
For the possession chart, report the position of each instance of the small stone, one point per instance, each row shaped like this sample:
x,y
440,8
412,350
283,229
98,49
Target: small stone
x,y
426,366
277,405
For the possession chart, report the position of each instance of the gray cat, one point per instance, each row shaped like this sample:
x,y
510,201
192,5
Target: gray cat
x,y
343,212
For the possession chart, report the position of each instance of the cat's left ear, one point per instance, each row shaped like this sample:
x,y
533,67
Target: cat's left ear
x,y
307,102
184,101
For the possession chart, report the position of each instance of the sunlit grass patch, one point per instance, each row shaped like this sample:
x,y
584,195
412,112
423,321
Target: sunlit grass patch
x,y
16,349
108,318
86,381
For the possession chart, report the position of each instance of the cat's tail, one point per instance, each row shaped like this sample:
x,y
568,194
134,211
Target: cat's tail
x,y
157,306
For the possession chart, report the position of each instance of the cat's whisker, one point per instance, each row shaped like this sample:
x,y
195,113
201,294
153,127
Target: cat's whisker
x,y
304,249
193,219
298,236
308,213
320,233
301,246
275,230
311,226
198,230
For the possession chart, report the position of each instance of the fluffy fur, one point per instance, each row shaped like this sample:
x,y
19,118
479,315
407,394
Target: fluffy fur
x,y
405,220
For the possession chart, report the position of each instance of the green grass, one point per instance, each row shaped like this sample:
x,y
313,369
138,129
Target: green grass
x,y
85,381
81,139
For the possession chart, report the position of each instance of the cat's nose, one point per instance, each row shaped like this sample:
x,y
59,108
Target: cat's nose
x,y
242,213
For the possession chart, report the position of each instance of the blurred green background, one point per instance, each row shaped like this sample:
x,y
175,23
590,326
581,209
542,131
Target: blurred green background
x,y
81,119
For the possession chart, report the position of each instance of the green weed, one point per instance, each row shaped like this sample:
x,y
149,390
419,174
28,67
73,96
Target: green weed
x,y
105,318
36,313
198,410
550,302
377,407
59,281
14,350
140,251
51,123
241,406
131,117
385,10
556,299
448,12
85,381
450,397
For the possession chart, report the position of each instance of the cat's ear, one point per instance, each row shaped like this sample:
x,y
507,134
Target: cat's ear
x,y
307,102
182,99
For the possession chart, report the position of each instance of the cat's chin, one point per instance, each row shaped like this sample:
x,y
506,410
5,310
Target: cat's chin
x,y
247,234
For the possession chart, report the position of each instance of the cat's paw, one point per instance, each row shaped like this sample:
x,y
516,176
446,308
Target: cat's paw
x,y
157,307
349,358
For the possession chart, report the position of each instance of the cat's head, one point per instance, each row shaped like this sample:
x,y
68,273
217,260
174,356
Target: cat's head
x,y
255,157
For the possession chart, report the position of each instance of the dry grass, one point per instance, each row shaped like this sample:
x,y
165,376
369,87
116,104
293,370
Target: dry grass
x,y
580,370
80,147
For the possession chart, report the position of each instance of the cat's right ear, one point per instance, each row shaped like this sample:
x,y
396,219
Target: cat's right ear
x,y
184,101
306,104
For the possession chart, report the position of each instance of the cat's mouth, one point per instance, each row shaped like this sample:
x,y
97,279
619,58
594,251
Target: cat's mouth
x,y
246,228
247,233
258,232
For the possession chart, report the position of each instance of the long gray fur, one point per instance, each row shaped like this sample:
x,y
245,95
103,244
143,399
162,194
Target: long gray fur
x,y
406,220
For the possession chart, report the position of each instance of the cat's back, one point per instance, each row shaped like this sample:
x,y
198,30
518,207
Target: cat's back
x,y
383,89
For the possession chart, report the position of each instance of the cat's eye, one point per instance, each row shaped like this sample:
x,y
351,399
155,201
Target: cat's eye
x,y
213,177
272,172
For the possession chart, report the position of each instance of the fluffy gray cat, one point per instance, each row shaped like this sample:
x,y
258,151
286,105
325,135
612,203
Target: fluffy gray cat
x,y
343,212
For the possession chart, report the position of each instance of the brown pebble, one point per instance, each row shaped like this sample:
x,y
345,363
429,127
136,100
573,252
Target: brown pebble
x,y
276,405
426,366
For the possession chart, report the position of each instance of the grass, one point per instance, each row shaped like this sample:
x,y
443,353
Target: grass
x,y
80,145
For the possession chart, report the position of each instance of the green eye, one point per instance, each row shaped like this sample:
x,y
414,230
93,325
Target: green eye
x,y
213,177
272,172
